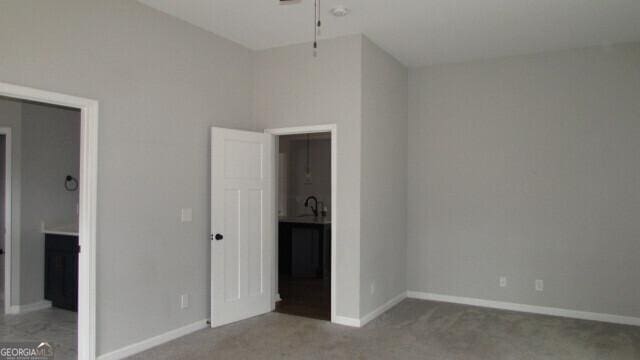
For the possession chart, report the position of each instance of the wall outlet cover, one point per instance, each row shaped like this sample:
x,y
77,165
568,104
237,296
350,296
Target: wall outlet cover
x,y
539,285
184,301
186,215
503,281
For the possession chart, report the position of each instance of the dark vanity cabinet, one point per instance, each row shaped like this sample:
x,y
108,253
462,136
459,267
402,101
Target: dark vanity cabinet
x,y
304,249
61,271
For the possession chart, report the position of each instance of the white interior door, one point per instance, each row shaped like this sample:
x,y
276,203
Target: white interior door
x,y
242,218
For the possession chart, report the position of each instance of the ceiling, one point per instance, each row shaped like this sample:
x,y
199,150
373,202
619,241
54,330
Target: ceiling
x,y
422,32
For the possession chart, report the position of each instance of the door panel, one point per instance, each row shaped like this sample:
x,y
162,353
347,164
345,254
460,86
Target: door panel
x,y
255,242
231,245
242,212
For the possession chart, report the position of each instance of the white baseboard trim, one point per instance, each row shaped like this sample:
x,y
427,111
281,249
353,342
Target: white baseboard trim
x,y
353,322
383,308
21,309
154,341
543,310
347,321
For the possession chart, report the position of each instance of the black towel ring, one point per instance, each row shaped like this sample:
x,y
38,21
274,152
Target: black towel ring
x,y
70,183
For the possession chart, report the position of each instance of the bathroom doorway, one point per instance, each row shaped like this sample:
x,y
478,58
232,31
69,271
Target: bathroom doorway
x,y
76,187
305,240
40,218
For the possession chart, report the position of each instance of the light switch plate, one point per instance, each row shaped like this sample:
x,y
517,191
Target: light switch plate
x,y
186,215
184,301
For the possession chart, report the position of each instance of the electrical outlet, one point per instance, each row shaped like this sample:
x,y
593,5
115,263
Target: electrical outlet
x,y
186,215
184,301
503,281
539,285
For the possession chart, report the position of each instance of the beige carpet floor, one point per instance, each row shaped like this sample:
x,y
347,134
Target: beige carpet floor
x,y
414,329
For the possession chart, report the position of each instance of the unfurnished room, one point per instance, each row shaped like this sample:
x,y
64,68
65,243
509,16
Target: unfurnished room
x,y
304,179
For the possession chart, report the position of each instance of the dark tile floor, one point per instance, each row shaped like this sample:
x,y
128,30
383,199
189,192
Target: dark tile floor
x,y
305,297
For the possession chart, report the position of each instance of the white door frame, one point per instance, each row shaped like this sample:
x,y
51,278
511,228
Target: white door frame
x,y
333,129
6,131
87,209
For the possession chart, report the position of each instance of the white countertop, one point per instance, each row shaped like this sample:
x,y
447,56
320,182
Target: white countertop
x,y
305,220
67,229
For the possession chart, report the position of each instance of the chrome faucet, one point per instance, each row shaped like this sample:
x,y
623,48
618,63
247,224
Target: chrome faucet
x,y
313,208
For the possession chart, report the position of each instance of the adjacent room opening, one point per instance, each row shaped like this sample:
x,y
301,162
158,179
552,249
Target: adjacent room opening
x,y
40,171
304,196
20,300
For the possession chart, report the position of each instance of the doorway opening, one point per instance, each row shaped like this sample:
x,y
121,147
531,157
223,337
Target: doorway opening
x,y
49,148
44,150
305,241
5,195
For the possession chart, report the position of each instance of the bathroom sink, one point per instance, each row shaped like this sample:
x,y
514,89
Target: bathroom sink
x,y
306,219
306,215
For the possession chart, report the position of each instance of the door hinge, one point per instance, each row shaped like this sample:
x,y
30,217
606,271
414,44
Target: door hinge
x,y
78,249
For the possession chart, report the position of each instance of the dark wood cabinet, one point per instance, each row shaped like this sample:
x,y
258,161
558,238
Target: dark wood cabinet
x,y
61,271
304,249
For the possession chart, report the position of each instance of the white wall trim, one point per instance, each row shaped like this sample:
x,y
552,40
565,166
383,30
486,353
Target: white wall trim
x,y
543,310
88,205
353,322
296,130
383,308
154,341
21,309
333,129
6,131
347,321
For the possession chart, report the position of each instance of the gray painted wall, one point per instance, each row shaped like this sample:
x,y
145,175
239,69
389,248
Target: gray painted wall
x,y
292,88
528,167
521,166
161,84
362,89
384,178
50,150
